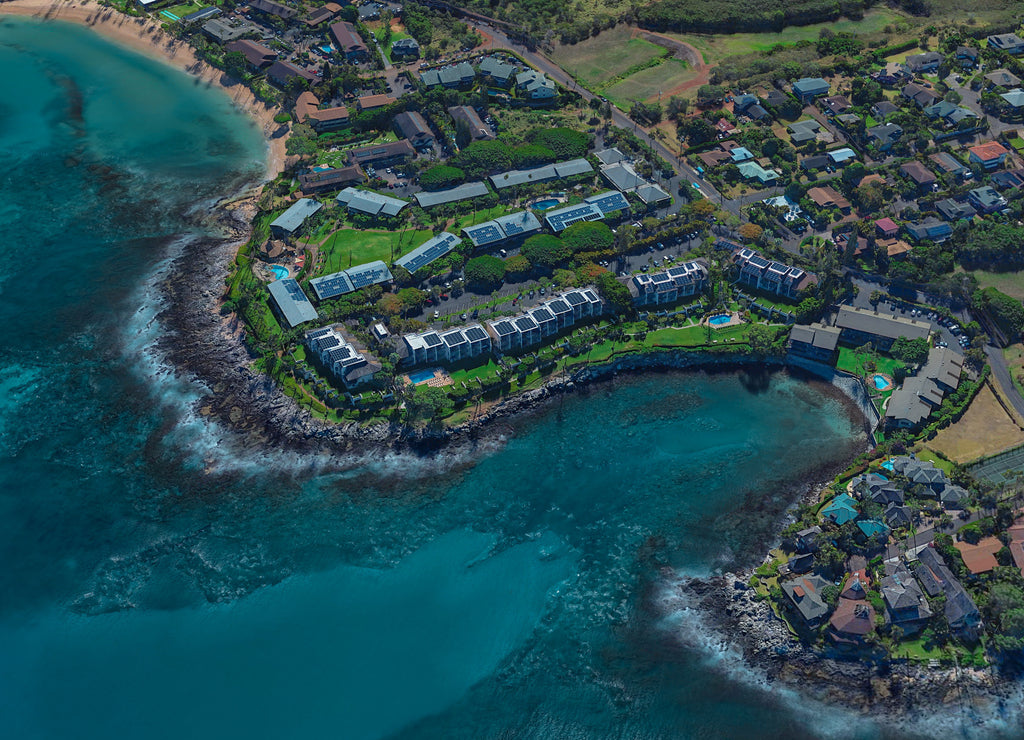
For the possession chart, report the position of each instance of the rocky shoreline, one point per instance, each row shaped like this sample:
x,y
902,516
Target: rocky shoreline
x,y
890,691
210,349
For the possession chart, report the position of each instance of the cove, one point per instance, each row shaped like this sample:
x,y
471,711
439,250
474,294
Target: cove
x,y
144,596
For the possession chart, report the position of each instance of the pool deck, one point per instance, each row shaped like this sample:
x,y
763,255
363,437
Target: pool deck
x,y
734,320
438,379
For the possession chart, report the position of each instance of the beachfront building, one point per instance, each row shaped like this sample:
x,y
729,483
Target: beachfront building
x,y
292,220
322,120
321,179
815,342
805,596
772,277
669,286
290,302
960,610
341,357
382,155
448,347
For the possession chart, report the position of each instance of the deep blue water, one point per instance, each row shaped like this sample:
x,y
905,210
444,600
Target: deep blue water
x,y
157,584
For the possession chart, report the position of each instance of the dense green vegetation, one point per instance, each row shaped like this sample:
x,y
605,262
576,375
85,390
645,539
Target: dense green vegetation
x,y
723,16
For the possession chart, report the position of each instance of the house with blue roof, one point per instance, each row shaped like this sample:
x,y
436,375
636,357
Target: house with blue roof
x,y
873,528
741,154
809,88
292,220
841,510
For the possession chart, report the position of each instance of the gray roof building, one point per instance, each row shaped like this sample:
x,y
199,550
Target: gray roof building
x,y
451,76
497,71
432,249
502,228
291,302
805,594
544,173
370,203
354,278
440,197
413,127
466,116
622,176
292,219
880,325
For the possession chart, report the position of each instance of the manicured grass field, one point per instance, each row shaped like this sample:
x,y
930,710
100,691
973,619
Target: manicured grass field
x,y
648,83
605,56
853,361
718,47
349,247
479,217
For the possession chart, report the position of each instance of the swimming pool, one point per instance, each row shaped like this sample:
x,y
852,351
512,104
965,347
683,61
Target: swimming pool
x,y
280,273
327,49
722,318
543,205
888,465
881,382
421,376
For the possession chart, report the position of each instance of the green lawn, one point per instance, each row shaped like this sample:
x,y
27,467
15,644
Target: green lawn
x,y
349,247
395,36
604,57
853,361
470,376
479,217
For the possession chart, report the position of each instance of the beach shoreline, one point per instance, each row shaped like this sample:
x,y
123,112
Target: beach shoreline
x,y
148,38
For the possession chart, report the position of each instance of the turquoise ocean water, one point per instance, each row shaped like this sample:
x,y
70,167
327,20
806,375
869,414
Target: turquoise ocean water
x,y
143,596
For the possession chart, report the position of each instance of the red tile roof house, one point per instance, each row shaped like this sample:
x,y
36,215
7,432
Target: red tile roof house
x,y
989,155
887,228
256,55
307,108
852,621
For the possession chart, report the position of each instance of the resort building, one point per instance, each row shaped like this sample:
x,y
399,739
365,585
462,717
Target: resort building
x,y
1011,43
340,357
905,602
307,110
594,208
496,72
413,126
374,101
329,178
465,117
281,73
452,195
544,173
352,279
430,250
772,277
859,326
382,155
687,279
370,203
271,8
911,404
257,56
454,345
533,85
291,303
815,342
405,49
292,220
349,43
451,77
503,228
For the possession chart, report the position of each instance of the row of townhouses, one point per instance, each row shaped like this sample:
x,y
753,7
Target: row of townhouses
x,y
502,335
773,277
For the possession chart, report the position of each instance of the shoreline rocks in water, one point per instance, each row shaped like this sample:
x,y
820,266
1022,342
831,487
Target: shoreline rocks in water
x,y
890,691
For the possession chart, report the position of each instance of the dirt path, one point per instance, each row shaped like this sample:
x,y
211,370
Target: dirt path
x,y
680,50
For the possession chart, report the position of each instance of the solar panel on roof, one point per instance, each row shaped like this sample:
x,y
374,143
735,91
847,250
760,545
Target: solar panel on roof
x,y
454,338
574,298
431,340
484,233
475,334
559,306
542,314
504,327
525,323
331,286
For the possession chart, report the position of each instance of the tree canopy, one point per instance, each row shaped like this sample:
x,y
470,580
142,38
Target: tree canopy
x,y
588,236
545,250
485,270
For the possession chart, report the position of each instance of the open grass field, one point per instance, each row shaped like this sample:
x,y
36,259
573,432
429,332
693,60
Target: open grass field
x,y
349,247
1011,283
718,47
479,217
604,57
985,429
646,84
1014,356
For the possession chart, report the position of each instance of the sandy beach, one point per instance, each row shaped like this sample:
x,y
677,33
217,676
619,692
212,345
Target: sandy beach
x,y
146,36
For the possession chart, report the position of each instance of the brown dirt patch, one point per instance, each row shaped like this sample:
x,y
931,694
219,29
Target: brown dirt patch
x,y
985,429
